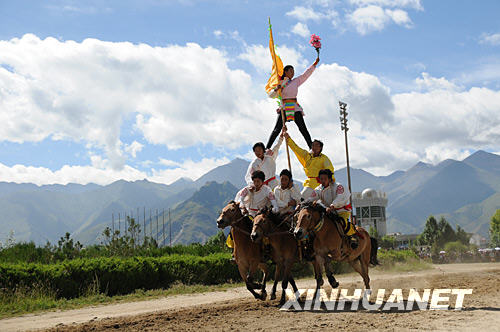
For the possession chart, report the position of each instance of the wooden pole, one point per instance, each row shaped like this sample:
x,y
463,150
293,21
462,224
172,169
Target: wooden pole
x,y
144,224
170,226
281,102
163,226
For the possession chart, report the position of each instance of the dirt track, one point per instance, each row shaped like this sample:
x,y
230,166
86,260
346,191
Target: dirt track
x,y
236,310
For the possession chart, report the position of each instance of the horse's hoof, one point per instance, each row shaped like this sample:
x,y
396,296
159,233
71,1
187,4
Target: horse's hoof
x,y
263,296
273,297
335,284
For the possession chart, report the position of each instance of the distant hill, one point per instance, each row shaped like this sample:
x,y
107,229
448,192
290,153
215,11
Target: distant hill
x,y
466,192
194,220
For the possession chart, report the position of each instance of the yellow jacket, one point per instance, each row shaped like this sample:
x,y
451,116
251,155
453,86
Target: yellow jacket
x,y
312,165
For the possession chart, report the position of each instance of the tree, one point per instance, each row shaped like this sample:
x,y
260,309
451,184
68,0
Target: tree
x,y
446,233
430,234
462,236
495,229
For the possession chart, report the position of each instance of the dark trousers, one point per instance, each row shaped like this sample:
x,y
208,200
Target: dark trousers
x,y
299,120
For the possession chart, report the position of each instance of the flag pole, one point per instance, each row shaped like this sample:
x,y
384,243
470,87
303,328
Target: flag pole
x,y
281,102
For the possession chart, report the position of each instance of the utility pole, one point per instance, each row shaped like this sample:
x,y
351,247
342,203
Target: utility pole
x,y
144,224
112,224
119,223
170,225
344,128
163,231
150,225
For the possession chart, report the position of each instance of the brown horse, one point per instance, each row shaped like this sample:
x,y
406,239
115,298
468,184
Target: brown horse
x,y
246,253
331,244
284,247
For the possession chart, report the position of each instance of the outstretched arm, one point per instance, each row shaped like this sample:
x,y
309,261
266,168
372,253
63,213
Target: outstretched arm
x,y
302,155
302,78
275,150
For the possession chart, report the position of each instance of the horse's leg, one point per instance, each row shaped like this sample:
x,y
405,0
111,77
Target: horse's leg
x,y
277,275
245,273
284,283
357,265
318,272
364,261
263,293
329,273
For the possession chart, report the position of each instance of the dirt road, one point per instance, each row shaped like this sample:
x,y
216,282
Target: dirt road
x,y
235,309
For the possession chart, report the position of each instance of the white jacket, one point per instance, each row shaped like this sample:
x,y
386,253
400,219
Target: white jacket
x,y
267,165
335,195
254,201
284,196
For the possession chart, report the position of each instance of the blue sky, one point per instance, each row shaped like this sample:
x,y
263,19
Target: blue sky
x,y
402,52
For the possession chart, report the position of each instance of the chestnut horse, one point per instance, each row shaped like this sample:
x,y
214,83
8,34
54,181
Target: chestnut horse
x,y
246,253
284,247
331,244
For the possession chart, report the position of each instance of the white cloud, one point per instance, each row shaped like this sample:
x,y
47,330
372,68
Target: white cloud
x,y
490,39
375,18
187,95
400,17
305,14
413,4
260,58
186,169
427,82
69,174
181,95
133,148
301,29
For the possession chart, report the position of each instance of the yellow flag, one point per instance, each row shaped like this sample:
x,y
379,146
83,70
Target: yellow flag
x,y
277,64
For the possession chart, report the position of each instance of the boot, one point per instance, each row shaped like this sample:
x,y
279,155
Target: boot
x,y
353,241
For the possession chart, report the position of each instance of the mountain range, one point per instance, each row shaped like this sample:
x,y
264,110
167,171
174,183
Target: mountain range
x,y
466,192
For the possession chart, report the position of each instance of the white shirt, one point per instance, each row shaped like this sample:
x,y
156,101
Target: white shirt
x,y
266,165
284,196
254,201
335,195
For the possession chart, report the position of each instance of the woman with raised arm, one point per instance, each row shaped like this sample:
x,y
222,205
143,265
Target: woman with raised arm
x,y
293,111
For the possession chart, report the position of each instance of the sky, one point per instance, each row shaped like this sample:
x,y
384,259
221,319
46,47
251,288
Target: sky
x,y
96,91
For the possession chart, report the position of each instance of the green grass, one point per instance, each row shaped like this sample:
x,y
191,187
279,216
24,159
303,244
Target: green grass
x,y
39,298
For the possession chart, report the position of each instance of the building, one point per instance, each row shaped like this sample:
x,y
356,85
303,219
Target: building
x,y
369,206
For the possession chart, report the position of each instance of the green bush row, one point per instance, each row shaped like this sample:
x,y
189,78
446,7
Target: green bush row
x,y
113,276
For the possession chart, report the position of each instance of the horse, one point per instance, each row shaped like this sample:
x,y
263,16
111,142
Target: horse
x,y
247,254
331,244
284,247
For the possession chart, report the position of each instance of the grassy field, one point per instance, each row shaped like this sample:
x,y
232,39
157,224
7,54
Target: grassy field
x,y
38,297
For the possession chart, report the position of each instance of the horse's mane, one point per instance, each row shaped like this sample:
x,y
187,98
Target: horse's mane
x,y
313,206
275,217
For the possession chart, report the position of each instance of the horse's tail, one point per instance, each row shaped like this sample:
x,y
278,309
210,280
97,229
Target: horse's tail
x,y
373,252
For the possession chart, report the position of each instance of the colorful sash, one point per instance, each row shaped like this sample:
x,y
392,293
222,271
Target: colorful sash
x,y
290,111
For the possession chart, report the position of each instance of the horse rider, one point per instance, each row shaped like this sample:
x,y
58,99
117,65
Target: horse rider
x,y
313,161
287,193
335,197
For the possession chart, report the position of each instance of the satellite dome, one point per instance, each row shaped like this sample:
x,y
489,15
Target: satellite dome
x,y
369,193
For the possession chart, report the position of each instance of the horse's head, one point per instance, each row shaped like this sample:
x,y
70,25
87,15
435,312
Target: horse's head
x,y
307,218
261,224
230,214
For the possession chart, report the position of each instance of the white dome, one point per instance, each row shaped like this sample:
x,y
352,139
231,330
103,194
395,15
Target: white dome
x,y
369,193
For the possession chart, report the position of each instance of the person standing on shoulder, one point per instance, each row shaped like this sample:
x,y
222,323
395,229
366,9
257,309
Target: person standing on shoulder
x,y
313,161
293,111
265,161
